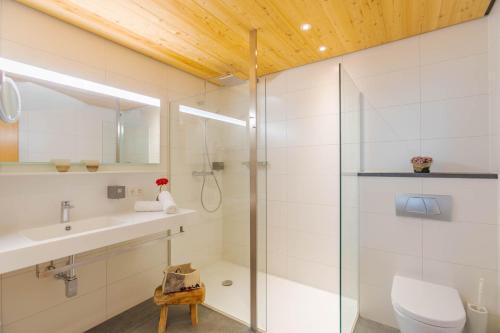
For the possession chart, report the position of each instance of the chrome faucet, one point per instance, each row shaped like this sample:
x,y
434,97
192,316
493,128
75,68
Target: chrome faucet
x,y
65,207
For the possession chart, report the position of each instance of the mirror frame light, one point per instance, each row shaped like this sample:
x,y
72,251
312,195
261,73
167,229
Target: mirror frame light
x,y
211,115
19,68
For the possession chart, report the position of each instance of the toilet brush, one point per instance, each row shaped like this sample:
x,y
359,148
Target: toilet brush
x,y
477,314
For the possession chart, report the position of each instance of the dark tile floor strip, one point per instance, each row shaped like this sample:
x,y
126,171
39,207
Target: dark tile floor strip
x,y
143,318
368,326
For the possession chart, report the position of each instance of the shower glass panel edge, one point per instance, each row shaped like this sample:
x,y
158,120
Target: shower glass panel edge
x,y
228,245
350,113
219,245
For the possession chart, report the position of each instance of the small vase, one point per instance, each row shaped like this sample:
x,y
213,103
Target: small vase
x,y
422,168
159,192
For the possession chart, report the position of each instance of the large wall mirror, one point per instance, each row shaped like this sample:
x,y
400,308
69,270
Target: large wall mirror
x,y
64,117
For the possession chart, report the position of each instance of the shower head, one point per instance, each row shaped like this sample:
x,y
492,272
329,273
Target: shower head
x,y
229,79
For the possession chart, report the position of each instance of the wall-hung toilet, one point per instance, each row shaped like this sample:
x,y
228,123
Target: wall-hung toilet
x,y
423,307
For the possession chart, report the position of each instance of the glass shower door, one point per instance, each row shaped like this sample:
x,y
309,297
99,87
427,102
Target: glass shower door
x,y
350,164
209,170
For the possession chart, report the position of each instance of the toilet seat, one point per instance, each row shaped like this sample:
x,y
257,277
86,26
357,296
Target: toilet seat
x,y
428,303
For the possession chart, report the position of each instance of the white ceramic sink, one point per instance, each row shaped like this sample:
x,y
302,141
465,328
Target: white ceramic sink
x,y
24,248
71,228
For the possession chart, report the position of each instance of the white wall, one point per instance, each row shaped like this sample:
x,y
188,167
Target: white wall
x,y
302,181
224,234
202,244
28,304
427,95
455,253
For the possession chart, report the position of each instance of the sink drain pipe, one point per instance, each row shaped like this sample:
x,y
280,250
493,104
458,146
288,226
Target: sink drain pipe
x,y
70,278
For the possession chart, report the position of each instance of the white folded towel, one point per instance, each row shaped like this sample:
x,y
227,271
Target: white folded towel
x,y
148,206
167,202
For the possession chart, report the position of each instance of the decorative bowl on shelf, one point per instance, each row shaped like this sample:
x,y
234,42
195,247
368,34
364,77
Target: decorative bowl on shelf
x,y
62,165
91,165
421,164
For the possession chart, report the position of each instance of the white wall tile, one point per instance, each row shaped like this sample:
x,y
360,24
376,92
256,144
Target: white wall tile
x,y
313,247
395,123
379,267
473,200
455,78
313,218
470,244
276,134
377,194
390,57
460,117
304,160
458,154
402,235
390,156
300,271
315,188
312,131
323,73
391,89
448,43
320,100
375,304
465,279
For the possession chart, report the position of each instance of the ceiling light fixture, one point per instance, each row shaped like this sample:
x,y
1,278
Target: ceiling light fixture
x,y
322,48
305,27
211,115
19,68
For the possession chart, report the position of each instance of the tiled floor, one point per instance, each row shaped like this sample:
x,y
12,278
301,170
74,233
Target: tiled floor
x,y
143,318
368,326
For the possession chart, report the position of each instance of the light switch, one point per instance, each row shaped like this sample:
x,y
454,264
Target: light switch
x,y
116,192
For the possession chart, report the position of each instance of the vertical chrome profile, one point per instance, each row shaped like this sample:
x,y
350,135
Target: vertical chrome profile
x,y
252,132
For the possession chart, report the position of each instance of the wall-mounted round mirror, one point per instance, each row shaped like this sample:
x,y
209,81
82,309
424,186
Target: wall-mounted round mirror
x,y
10,100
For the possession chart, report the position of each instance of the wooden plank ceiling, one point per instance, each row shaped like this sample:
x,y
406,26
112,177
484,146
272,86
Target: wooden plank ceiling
x,y
209,38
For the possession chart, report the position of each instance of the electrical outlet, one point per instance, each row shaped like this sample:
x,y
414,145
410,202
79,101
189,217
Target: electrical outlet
x,y
135,192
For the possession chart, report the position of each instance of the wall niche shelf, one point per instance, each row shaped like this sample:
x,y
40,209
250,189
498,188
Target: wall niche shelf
x,y
464,175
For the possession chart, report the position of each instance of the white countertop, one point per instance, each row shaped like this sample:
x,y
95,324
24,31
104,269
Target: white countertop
x,y
18,251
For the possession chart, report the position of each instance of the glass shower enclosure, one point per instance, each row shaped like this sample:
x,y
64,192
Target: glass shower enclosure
x,y
209,168
210,147
350,104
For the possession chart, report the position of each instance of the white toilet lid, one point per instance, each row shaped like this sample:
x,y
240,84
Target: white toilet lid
x,y
429,303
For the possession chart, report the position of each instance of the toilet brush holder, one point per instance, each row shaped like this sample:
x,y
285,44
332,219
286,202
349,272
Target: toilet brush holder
x,y
477,318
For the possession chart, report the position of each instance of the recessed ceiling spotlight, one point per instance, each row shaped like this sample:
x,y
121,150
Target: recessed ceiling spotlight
x,y
322,48
305,27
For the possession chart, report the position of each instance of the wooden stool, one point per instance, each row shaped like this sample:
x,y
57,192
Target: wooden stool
x,y
189,297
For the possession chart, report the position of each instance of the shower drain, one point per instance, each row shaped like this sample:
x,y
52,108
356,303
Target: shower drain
x,y
227,283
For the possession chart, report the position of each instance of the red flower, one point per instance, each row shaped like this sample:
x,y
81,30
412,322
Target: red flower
x,y
161,181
